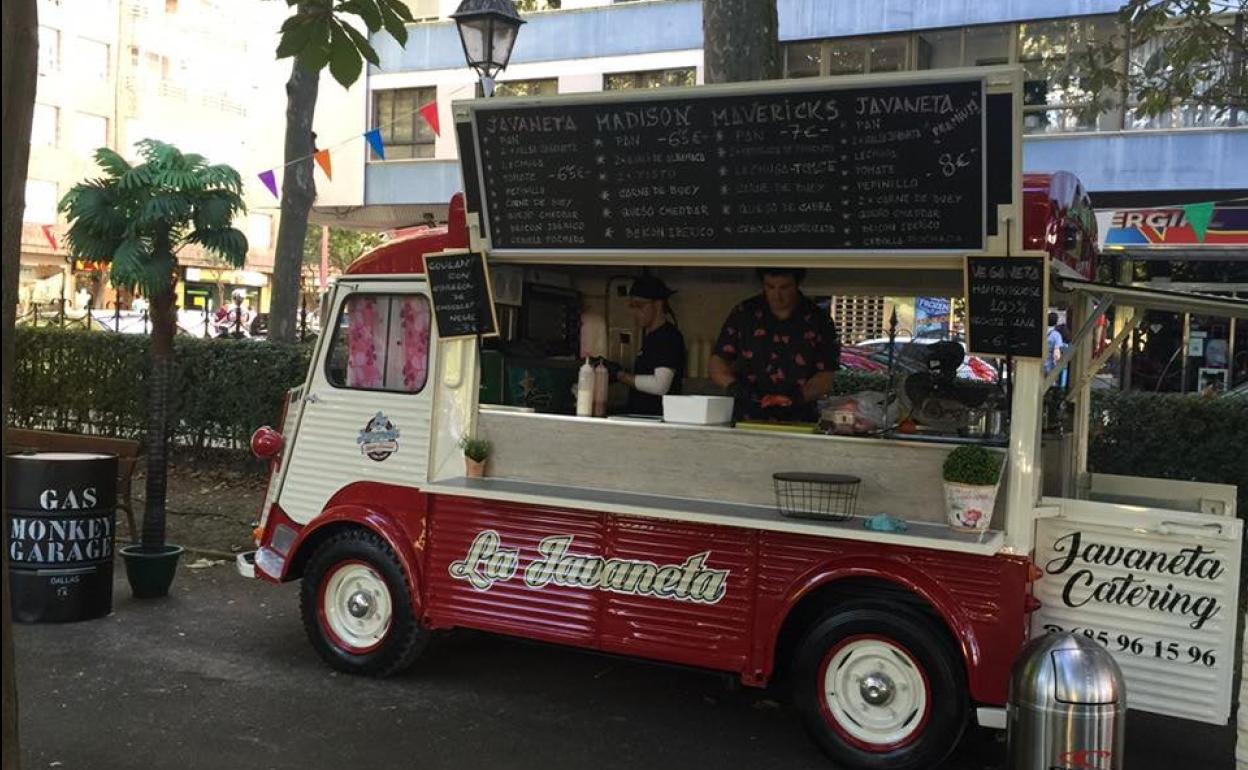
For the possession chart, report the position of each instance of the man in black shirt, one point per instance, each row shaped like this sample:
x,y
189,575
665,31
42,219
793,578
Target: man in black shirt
x,y
777,352
660,365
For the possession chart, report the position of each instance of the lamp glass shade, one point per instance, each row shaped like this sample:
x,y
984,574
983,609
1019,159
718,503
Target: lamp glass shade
x,y
474,35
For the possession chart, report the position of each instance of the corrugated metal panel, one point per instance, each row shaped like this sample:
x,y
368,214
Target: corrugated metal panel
x,y
715,635
1178,657
553,613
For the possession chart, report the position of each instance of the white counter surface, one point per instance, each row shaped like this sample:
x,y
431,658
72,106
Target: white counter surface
x,y
919,535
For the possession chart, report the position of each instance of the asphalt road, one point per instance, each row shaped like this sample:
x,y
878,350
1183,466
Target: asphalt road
x,y
219,675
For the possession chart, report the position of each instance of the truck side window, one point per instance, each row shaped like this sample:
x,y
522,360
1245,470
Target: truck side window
x,y
381,342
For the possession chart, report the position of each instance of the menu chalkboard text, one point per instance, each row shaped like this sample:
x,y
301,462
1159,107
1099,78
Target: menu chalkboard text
x,y
879,168
463,303
1006,305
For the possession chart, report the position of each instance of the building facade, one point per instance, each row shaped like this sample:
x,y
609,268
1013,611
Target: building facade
x,y
1126,162
114,72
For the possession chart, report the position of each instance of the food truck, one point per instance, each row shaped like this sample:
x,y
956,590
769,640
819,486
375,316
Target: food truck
x,y
662,540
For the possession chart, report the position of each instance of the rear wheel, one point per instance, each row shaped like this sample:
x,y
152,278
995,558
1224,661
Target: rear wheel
x,y
357,608
880,688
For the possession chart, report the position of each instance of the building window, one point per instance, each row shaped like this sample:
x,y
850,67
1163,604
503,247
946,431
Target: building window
x,y
40,202
90,133
45,127
986,46
540,87
847,56
403,131
259,232
93,58
803,60
623,81
49,50
1055,96
1151,57
381,342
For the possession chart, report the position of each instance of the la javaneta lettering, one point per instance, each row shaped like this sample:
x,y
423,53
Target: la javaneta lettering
x,y
487,563
1083,584
534,124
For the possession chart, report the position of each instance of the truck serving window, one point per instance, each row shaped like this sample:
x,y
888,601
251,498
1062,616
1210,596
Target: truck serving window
x,y
381,342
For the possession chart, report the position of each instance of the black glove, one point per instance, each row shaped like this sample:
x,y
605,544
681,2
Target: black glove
x,y
742,396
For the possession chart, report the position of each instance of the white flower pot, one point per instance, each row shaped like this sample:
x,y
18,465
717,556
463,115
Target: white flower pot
x,y
969,506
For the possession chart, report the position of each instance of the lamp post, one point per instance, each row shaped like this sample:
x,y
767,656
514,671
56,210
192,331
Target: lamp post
x,y
487,29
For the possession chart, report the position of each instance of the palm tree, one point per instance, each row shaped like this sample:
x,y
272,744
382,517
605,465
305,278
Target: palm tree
x,y
137,218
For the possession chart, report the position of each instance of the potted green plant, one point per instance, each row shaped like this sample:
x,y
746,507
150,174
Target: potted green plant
x,y
972,476
476,452
137,218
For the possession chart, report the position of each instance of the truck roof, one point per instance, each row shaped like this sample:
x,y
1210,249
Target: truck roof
x,y
406,254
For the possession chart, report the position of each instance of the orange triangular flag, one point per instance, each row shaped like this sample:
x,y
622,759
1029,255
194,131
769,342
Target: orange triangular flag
x,y
430,113
322,159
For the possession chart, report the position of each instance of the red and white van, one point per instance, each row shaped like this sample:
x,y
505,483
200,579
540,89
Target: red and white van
x,y
662,542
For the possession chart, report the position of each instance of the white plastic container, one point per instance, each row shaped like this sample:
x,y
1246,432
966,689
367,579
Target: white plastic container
x,y
697,410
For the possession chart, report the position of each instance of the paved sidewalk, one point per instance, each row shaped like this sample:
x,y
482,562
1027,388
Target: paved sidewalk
x,y
220,676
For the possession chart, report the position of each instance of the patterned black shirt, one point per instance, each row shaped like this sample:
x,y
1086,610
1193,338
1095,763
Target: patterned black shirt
x,y
775,356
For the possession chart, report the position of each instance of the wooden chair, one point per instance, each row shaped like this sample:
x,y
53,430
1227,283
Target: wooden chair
x,y
127,451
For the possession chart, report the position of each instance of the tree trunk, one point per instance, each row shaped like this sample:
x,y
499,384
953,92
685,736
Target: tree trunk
x,y
298,193
163,319
19,47
740,41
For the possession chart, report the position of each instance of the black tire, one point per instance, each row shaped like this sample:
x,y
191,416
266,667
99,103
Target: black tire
x,y
400,637
905,649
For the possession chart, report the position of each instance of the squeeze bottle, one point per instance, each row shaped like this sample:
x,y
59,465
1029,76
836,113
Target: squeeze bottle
x,y
585,391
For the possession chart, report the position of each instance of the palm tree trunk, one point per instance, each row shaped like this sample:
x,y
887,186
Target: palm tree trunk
x,y
298,194
20,24
162,316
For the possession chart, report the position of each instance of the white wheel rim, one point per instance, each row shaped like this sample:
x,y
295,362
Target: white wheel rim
x,y
874,693
356,606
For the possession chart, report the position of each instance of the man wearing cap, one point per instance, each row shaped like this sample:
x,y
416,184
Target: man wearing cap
x,y
660,366
777,352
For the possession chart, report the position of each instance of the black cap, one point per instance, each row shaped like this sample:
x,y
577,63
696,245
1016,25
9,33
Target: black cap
x,y
649,287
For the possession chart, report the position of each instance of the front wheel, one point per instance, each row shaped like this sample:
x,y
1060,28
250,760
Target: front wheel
x,y
880,689
356,606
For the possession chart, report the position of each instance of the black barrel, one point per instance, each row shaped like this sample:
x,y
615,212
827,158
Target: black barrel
x,y
60,518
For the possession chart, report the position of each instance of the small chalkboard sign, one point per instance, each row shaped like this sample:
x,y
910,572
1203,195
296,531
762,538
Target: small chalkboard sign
x,y
1006,305
463,303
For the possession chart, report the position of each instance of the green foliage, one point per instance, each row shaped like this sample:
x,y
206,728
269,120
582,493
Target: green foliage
x,y
972,465
320,34
1171,436
90,381
344,246
137,217
1181,51
475,449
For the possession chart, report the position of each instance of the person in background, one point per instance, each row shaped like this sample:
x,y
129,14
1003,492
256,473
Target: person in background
x,y
660,365
1053,343
777,352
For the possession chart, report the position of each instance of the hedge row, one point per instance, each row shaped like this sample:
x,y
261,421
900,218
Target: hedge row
x,y
96,382
223,389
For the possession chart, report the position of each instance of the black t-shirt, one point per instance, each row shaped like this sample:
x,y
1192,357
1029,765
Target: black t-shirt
x,y
664,347
778,356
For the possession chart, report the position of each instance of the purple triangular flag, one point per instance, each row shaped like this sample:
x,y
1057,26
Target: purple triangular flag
x,y
270,181
374,141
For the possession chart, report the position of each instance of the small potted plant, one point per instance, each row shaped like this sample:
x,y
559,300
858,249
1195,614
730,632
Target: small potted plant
x,y
476,452
972,477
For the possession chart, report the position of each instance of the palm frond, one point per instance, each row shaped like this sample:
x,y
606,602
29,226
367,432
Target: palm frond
x,y
228,243
113,164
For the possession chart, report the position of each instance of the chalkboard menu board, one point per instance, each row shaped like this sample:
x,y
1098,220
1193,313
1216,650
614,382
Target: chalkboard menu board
x,y
463,304
878,168
1006,306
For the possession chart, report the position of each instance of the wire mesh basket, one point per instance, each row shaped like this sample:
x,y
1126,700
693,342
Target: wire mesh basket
x,y
825,496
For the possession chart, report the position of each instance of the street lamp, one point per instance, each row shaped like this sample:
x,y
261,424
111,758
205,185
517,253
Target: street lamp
x,y
487,28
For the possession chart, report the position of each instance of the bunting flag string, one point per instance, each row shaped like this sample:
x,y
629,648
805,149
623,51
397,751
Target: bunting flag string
x,y
428,112
50,236
1198,215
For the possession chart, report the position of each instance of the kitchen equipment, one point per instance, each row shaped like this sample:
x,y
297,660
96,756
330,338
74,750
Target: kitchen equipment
x,y
697,410
826,496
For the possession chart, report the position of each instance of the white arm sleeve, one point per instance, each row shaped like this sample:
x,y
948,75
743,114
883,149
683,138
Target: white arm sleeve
x,y
656,384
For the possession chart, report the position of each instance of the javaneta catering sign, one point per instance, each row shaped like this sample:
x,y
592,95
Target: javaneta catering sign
x,y
1159,592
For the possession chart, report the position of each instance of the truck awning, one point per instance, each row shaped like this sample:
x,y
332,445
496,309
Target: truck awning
x,y
1157,299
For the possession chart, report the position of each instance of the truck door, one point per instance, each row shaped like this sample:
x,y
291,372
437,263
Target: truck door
x,y
367,404
1158,587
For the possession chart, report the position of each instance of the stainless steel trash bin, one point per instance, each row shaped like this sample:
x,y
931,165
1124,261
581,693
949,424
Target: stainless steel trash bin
x,y
1067,708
